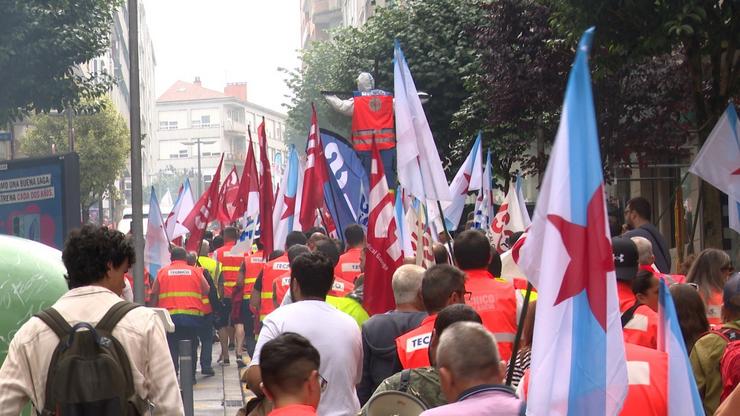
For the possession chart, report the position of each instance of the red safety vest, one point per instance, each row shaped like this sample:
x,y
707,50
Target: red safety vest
x,y
495,302
273,271
147,284
253,265
230,265
340,288
642,329
280,288
413,346
180,290
372,119
348,267
714,308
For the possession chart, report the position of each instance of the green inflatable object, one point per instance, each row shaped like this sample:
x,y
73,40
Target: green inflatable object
x,y
31,279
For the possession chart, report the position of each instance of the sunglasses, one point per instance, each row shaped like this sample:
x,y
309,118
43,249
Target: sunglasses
x,y
694,285
728,268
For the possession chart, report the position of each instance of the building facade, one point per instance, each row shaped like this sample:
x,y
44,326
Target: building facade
x,y
190,116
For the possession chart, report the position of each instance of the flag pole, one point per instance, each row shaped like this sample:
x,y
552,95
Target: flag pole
x,y
444,226
518,336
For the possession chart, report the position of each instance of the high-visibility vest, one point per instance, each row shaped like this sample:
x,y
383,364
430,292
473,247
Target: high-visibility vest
x,y
413,346
495,302
147,284
253,265
348,267
340,287
714,308
274,270
209,264
280,288
180,290
642,329
230,265
372,120
207,308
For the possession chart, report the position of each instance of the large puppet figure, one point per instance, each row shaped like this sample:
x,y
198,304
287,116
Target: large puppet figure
x,y
372,120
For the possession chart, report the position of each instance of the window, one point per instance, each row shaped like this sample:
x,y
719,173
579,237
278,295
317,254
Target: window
x,y
203,122
183,153
168,125
207,178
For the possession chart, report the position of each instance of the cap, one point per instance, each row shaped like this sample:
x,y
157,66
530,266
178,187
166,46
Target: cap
x,y
625,255
394,403
731,294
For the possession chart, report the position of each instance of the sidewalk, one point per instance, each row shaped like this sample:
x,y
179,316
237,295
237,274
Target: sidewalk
x,y
222,394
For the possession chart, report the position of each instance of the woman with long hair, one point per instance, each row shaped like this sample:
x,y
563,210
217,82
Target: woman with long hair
x,y
692,314
709,272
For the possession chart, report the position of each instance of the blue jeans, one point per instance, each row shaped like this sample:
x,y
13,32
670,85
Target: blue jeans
x,y
205,336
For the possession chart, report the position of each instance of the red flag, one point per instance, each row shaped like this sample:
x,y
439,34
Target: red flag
x,y
203,212
227,198
314,176
266,193
383,254
247,196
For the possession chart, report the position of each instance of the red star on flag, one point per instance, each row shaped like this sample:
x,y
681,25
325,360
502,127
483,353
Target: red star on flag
x,y
590,257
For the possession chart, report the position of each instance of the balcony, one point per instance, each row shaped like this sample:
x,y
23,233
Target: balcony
x,y
235,126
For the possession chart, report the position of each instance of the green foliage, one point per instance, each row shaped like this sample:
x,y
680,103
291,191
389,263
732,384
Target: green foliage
x,y
435,40
40,43
101,140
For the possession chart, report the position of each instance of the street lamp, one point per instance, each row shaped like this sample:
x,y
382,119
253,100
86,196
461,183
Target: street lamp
x,y
198,142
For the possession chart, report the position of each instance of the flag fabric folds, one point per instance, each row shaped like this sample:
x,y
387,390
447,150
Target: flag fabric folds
x,y
247,199
266,196
203,212
484,201
683,395
468,179
508,220
522,203
420,171
383,254
227,197
314,177
284,213
157,247
578,358
718,161
183,206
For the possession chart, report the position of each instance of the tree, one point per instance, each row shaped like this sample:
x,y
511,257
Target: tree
x,y
41,42
437,46
102,141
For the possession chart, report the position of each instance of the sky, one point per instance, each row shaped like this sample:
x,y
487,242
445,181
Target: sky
x,y
226,41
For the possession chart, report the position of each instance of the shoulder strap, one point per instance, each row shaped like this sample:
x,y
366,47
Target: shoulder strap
x,y
405,380
114,314
55,321
660,247
730,334
629,314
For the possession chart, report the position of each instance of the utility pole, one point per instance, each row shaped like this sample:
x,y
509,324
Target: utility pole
x,y
70,129
198,142
137,214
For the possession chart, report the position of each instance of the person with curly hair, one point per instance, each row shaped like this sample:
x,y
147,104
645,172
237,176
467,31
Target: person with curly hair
x,y
96,259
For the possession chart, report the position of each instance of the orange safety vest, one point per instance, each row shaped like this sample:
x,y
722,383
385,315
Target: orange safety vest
x,y
253,265
413,346
348,267
372,120
280,288
647,371
230,265
180,290
147,284
340,288
714,309
274,270
642,329
207,308
495,302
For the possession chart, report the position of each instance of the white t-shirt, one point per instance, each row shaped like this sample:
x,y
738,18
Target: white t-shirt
x,y
337,338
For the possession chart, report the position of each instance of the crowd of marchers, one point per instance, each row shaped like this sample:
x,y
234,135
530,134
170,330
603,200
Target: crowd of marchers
x,y
459,340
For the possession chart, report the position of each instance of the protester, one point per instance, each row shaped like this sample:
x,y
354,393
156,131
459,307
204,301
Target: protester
x,y
647,372
348,267
316,237
441,256
423,382
229,264
709,350
524,355
281,287
494,299
379,333
253,265
275,269
637,224
494,265
472,374
290,375
442,285
646,259
691,312
96,259
334,334
639,321
340,288
180,288
205,331
709,272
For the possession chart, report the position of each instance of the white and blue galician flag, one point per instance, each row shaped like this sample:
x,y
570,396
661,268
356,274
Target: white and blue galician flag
x,y
578,359
683,395
467,179
484,202
157,246
284,213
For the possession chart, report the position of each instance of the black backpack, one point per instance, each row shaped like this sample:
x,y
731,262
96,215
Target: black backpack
x,y
90,373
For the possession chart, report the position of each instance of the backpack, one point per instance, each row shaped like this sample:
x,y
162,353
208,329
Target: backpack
x,y
90,373
729,364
